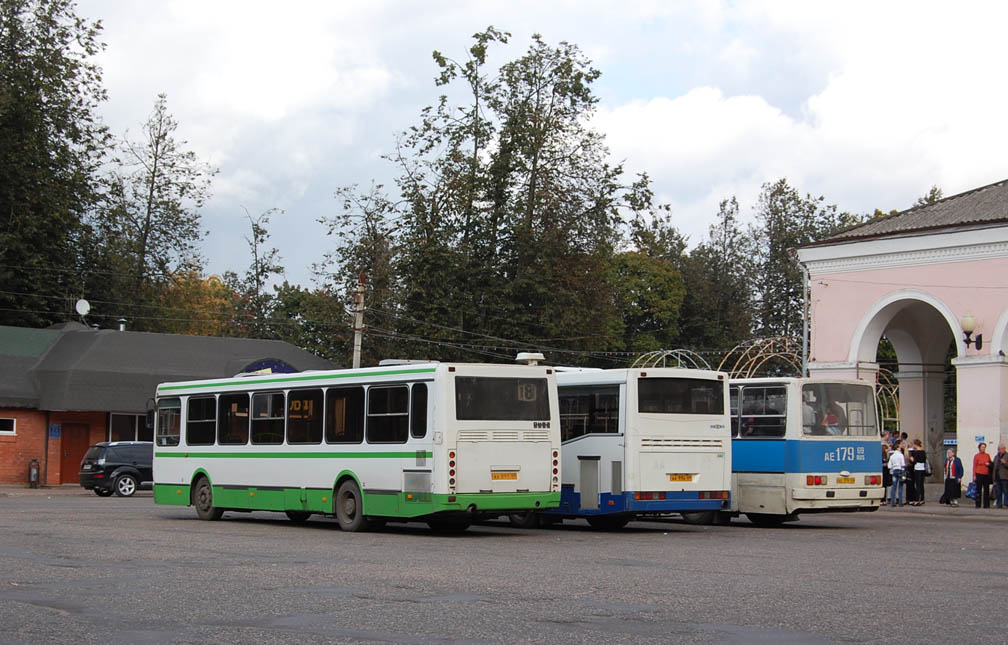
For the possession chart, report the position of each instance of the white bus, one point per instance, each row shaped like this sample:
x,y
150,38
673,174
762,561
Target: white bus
x,y
802,445
437,442
640,442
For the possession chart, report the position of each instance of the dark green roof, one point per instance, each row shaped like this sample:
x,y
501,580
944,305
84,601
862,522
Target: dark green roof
x,y
77,368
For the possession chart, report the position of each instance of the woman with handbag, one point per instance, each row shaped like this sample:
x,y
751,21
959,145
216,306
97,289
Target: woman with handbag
x,y
919,458
982,475
886,475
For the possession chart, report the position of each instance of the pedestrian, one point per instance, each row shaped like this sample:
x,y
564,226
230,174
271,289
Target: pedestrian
x,y
918,457
953,479
897,466
886,473
999,482
1002,471
982,475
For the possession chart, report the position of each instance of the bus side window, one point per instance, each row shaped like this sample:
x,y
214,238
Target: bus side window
x,y
201,421
589,410
304,416
169,421
733,407
387,414
344,415
268,417
233,419
764,412
418,411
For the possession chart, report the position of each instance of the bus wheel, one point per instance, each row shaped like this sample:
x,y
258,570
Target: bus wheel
x,y
526,520
298,516
700,518
448,527
608,522
350,507
203,501
764,519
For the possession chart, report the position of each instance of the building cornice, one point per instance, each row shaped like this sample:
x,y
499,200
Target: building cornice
x,y
917,250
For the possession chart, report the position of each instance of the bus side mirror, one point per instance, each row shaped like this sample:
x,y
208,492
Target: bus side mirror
x,y
150,419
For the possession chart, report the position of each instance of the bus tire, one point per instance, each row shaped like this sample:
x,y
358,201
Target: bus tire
x,y
203,501
349,509
298,516
608,522
699,518
524,520
766,519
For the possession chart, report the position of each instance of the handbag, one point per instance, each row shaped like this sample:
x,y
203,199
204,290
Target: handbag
x,y
971,490
927,468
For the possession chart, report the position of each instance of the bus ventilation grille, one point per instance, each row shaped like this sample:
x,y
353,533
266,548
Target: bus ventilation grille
x,y
672,442
536,435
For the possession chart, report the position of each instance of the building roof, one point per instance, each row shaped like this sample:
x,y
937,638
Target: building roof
x,y
73,367
980,207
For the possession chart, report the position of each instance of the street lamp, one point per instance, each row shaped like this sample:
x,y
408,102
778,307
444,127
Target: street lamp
x,y
968,327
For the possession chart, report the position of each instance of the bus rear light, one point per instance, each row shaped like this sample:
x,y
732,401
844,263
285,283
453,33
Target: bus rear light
x,y
451,454
713,494
451,482
451,473
873,480
649,496
556,463
556,471
815,480
555,454
451,464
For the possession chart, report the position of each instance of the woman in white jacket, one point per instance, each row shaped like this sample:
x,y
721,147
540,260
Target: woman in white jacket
x,y
897,464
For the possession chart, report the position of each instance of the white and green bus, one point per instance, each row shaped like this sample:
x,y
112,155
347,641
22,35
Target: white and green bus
x,y
444,443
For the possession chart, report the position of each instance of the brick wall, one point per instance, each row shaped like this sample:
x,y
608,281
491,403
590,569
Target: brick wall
x,y
18,450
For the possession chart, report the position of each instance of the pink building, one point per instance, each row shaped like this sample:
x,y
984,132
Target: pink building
x,y
921,278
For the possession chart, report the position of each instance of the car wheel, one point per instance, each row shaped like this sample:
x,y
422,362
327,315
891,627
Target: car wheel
x,y
203,501
349,509
102,492
125,485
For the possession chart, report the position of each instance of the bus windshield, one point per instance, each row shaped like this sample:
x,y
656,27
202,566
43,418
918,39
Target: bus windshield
x,y
480,398
838,409
680,396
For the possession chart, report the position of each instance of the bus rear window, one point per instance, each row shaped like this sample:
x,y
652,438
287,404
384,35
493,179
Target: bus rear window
x,y
680,396
501,399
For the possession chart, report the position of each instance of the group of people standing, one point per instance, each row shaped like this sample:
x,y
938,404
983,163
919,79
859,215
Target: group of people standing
x,y
989,471
904,466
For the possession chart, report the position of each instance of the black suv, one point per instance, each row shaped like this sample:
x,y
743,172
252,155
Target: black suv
x,y
119,467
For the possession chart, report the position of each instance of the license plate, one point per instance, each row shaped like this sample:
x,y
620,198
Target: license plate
x,y
845,480
87,466
504,476
680,477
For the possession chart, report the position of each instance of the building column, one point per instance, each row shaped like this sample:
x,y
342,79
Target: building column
x,y
922,410
981,406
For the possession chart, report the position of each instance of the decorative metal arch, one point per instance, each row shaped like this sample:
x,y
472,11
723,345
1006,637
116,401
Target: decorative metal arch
x,y
779,355
887,398
681,357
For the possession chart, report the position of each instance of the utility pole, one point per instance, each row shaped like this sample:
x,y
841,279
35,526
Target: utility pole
x,y
358,319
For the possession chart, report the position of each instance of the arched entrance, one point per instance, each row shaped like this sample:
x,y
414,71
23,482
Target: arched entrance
x,y
921,330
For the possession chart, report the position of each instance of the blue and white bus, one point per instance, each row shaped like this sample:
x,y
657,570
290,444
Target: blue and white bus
x,y
802,445
640,442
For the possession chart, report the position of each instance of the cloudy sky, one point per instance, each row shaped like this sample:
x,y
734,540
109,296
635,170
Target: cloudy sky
x,y
866,103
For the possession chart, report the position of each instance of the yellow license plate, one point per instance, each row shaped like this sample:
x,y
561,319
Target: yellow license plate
x,y
680,477
845,480
504,476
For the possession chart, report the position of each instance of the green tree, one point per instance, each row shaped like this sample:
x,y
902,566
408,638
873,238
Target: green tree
x,y
151,208
51,146
786,220
253,301
649,292
717,310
